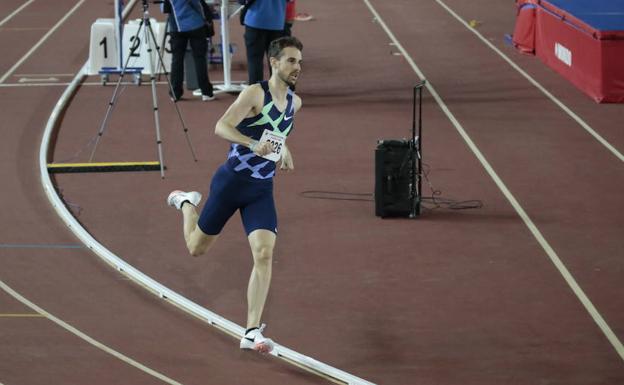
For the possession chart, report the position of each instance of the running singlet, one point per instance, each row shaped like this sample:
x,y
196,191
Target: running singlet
x,y
240,158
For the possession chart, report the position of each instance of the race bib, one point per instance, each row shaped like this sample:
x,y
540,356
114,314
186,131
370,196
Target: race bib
x,y
277,140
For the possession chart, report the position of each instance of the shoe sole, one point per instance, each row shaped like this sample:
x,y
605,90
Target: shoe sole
x,y
263,347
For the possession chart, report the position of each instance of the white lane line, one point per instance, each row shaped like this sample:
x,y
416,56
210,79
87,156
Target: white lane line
x,y
39,246
40,42
86,338
21,315
553,98
28,84
22,29
18,10
20,85
38,80
591,309
35,75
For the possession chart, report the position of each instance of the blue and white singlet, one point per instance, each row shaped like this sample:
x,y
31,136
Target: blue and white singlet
x,y
240,158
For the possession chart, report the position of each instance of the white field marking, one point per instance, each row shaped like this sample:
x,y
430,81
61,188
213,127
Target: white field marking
x,y
22,315
19,85
35,75
18,10
554,99
20,29
35,80
28,84
85,337
40,42
591,309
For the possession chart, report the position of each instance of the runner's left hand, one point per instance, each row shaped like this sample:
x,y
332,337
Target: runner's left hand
x,y
286,161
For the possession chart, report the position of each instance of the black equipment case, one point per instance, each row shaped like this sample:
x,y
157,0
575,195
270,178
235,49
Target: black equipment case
x,y
398,170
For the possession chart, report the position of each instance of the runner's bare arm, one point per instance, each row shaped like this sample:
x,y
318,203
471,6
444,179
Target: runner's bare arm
x,y
248,103
286,162
298,103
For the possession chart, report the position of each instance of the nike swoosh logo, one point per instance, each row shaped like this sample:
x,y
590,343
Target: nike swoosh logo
x,y
287,117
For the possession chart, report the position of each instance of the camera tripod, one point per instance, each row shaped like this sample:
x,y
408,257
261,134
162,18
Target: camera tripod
x,y
150,40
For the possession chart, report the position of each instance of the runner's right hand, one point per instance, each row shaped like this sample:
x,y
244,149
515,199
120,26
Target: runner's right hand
x,y
263,149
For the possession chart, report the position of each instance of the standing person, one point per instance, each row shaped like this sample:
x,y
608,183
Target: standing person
x,y
245,181
187,24
291,13
264,22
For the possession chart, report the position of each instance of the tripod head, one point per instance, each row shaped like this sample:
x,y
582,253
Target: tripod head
x,y
147,2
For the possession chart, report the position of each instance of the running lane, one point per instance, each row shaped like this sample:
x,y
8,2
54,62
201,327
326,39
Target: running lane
x,y
454,297
139,338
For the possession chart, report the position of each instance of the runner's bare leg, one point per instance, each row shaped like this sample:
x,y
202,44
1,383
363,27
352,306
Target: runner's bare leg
x,y
262,243
197,241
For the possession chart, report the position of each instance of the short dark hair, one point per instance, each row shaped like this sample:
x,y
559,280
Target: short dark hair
x,y
277,45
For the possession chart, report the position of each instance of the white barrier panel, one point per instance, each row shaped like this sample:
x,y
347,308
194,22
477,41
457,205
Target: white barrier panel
x,y
165,47
103,46
136,46
133,45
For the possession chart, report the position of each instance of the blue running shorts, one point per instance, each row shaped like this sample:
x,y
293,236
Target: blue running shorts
x,y
229,192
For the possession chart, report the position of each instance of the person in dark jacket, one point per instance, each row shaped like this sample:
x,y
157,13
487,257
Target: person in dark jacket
x,y
264,22
187,24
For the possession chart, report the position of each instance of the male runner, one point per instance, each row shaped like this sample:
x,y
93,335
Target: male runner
x,y
257,124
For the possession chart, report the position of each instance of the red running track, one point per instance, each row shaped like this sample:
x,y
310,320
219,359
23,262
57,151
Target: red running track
x,y
454,297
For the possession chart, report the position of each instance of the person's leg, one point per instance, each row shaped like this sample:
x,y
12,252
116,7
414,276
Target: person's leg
x,y
199,46
178,49
287,29
201,231
260,221
196,240
255,42
262,243
270,36
259,218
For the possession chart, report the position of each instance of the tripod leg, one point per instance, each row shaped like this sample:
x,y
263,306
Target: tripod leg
x,y
113,100
147,33
162,46
175,102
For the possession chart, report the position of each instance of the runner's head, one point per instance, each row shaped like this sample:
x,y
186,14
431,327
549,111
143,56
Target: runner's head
x,y
285,57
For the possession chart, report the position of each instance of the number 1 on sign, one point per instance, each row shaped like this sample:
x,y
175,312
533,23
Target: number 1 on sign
x,y
103,43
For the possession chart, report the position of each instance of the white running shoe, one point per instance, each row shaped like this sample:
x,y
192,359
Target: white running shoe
x,y
205,98
254,340
177,198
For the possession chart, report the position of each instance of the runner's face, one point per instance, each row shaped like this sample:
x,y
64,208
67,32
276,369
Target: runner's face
x,y
288,67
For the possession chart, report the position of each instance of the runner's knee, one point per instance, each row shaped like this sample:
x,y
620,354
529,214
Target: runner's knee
x,y
195,249
198,243
262,255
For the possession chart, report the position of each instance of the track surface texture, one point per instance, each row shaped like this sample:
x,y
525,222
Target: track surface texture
x,y
468,297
